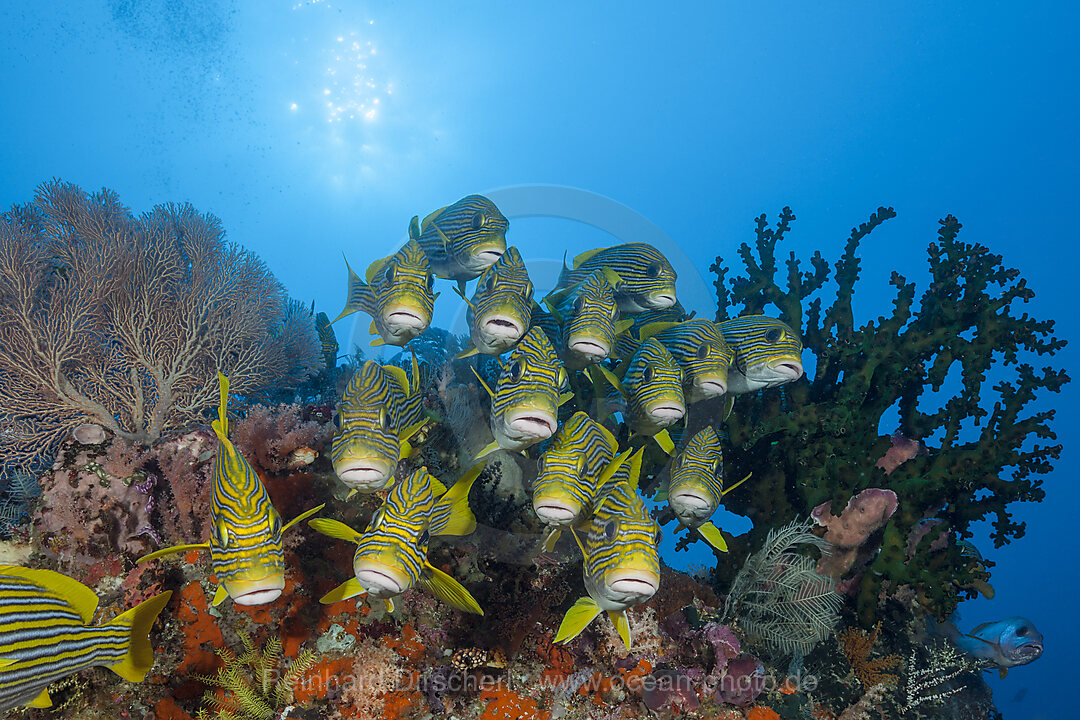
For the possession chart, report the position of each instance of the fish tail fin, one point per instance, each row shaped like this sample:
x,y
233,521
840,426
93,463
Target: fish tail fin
x,y
359,295
139,657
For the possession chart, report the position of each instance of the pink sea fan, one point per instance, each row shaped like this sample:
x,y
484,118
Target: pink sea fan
x,y
268,436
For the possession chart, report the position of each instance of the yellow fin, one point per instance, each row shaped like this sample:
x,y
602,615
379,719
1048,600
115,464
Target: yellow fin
x,y
459,518
41,701
635,467
414,381
344,591
373,329
139,657
663,439
655,328
172,551
612,467
622,326
488,449
466,353
81,598
431,217
615,383
577,619
712,536
377,342
352,494
400,376
219,596
729,405
613,278
622,626
302,516
335,529
554,533
726,490
374,268
437,488
585,256
388,604
448,590
489,390
349,308
565,398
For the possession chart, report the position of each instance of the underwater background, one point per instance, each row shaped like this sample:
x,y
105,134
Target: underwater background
x,y
313,129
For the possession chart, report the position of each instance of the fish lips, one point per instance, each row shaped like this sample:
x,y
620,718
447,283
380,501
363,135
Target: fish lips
x,y
691,507
404,318
530,422
556,511
1028,652
365,474
710,386
665,412
256,592
501,328
380,580
632,586
592,348
659,300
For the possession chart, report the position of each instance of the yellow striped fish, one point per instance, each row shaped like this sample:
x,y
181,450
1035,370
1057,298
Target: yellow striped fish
x,y
653,388
391,555
701,352
697,485
767,353
588,320
46,635
463,239
327,340
526,398
245,529
646,278
379,411
500,311
573,472
398,295
627,343
621,567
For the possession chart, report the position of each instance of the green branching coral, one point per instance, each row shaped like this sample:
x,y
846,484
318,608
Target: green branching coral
x,y
817,440
255,688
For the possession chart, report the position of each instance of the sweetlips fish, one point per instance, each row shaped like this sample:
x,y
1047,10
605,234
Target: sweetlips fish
x,y
245,529
701,352
1003,644
391,555
768,353
697,484
526,398
627,343
587,317
573,472
646,280
500,311
398,294
46,634
380,410
463,239
621,568
653,388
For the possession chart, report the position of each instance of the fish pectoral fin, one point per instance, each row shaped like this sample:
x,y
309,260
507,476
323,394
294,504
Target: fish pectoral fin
x,y
466,353
622,326
577,618
389,605
553,535
622,626
41,701
5,662
172,551
712,536
460,284
335,529
348,589
490,393
488,449
729,405
615,382
448,590
138,659
352,494
655,328
565,398
414,228
219,596
446,248
377,342
302,516
661,495
663,439
613,278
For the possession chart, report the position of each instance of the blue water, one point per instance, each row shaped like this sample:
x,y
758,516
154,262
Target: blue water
x,y
317,128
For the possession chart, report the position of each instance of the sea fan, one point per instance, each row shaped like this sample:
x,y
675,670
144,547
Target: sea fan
x,y
778,597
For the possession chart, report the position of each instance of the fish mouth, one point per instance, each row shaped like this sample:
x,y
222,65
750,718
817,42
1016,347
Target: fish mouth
x,y
660,301
711,387
1029,652
534,423
369,475
378,579
667,413
404,317
554,512
689,500
502,326
486,258
591,348
634,584
258,592
792,370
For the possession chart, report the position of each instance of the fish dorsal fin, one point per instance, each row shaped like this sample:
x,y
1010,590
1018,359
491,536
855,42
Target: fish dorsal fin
x,y
400,376
172,551
81,598
431,218
348,589
977,628
585,256
302,516
622,625
335,529
712,536
41,701
219,596
414,228
489,390
221,425
374,268
663,439
577,618
655,328
448,590
455,515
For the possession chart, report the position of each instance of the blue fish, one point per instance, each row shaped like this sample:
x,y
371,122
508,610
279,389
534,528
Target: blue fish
x,y
1004,644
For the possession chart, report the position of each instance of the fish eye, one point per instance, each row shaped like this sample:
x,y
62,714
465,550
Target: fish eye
x,y
1022,630
388,276
430,282
774,335
275,524
384,418
579,304
516,369
478,221
424,537
659,535
653,271
649,374
702,351
609,529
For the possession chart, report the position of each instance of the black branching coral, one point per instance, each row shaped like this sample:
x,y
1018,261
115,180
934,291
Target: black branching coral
x,y
817,440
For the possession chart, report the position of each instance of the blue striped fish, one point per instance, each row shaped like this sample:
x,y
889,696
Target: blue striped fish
x,y
767,353
391,555
327,340
245,529
588,320
46,634
463,239
701,352
653,388
627,343
379,411
697,485
500,311
573,472
646,278
398,295
622,568
526,398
